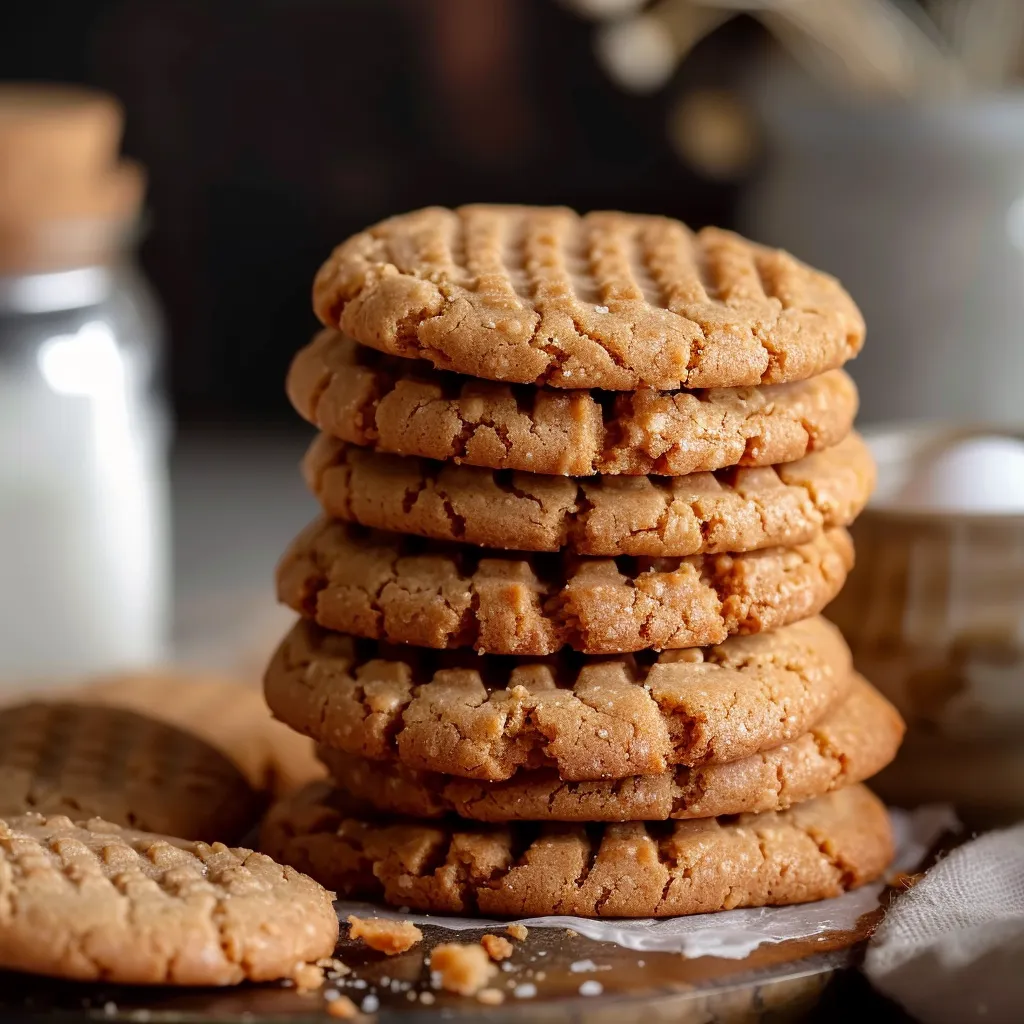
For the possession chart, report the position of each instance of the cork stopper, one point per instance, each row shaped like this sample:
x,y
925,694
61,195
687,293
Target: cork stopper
x,y
64,194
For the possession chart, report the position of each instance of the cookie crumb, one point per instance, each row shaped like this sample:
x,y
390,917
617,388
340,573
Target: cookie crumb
x,y
491,997
497,947
464,969
308,977
342,1007
517,931
385,936
568,931
334,967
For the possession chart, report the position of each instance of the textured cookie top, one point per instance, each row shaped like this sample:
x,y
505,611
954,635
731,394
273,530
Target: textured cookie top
x,y
729,511
90,901
486,717
407,590
541,295
814,850
229,714
128,768
851,743
407,407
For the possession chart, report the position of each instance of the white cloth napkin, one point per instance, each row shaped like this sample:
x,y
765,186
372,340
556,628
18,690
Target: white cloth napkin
x,y
951,949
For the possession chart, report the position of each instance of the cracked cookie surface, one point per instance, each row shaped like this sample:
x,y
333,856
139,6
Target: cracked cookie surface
x,y
607,300
406,407
848,745
487,717
90,901
818,849
408,590
732,510
126,767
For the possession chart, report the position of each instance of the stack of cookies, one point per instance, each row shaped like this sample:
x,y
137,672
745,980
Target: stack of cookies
x,y
585,483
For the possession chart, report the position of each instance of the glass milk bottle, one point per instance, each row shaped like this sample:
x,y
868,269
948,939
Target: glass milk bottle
x,y
84,529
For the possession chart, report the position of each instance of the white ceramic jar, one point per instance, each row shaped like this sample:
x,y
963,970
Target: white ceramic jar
x,y
919,209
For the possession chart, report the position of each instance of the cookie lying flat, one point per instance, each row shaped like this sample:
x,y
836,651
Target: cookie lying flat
x,y
88,901
540,295
817,849
406,590
588,718
231,715
730,511
407,407
851,743
128,768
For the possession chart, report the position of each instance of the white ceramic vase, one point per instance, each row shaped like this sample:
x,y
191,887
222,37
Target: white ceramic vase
x,y
919,209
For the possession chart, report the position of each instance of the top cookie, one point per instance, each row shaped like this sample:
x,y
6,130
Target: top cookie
x,y
607,300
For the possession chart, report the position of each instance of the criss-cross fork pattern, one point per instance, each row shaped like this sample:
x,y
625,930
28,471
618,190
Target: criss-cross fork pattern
x,y
58,758
607,300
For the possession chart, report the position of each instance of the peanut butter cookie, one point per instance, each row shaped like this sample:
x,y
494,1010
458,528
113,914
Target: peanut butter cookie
x,y
541,295
407,407
408,590
486,717
817,849
732,510
850,744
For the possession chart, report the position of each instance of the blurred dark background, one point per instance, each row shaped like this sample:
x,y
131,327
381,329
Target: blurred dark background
x,y
272,129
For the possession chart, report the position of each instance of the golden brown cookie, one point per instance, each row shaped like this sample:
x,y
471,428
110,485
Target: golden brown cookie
x,y
817,849
732,510
850,744
486,717
540,295
409,408
128,768
90,901
231,715
408,590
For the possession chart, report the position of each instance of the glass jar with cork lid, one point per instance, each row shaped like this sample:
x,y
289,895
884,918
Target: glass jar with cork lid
x,y
83,430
